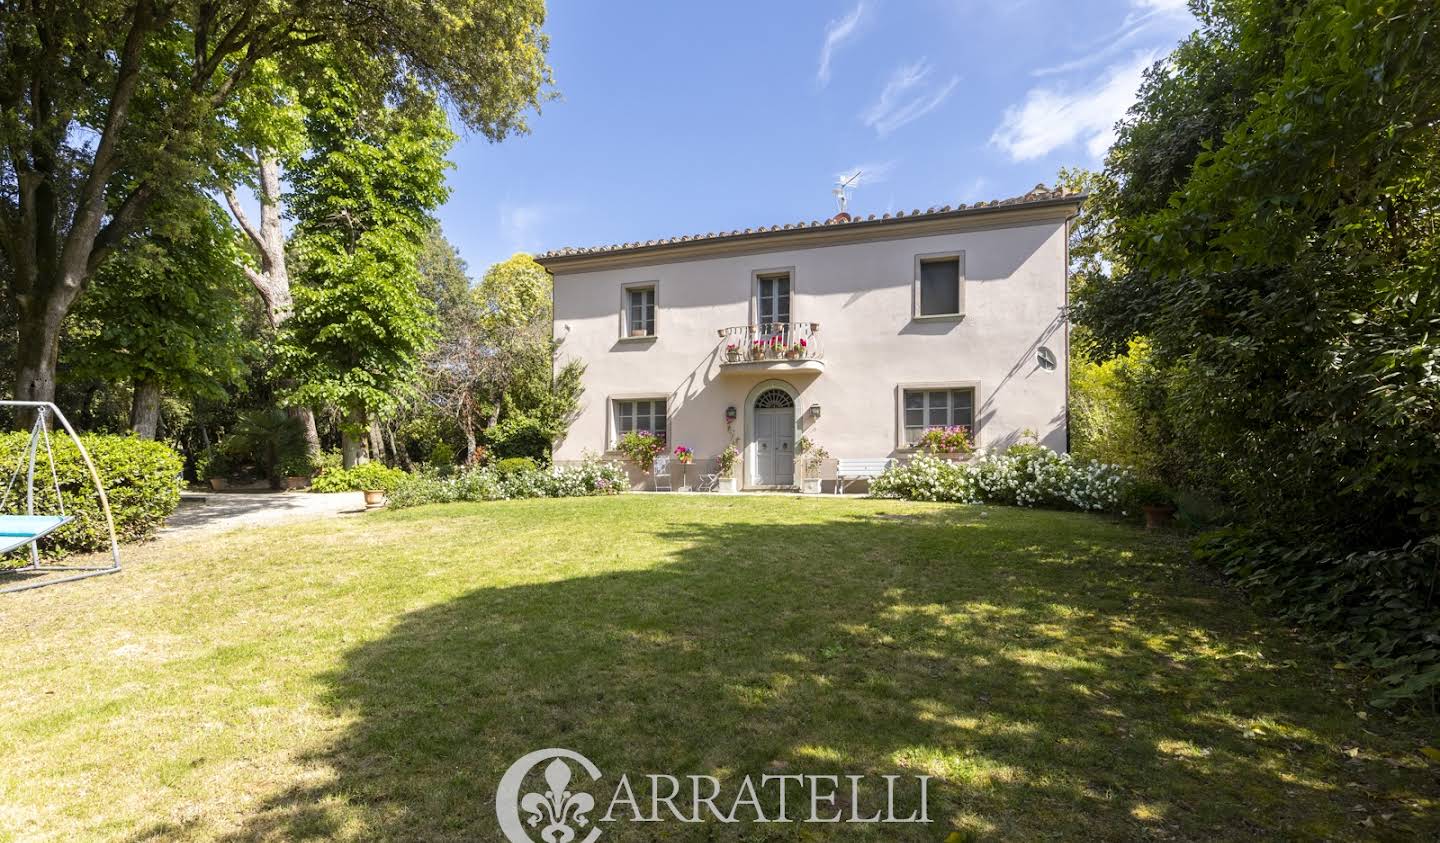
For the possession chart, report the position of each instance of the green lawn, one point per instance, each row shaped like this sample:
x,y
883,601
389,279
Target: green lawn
x,y
1061,675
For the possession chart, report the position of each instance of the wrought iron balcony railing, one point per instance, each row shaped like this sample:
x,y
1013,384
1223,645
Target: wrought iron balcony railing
x,y
773,342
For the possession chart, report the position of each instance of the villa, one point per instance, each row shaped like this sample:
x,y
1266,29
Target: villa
x,y
856,333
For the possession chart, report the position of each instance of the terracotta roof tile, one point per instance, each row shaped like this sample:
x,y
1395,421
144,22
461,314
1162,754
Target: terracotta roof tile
x,y
1039,194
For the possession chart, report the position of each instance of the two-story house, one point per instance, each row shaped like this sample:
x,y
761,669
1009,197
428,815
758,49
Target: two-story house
x,y
858,333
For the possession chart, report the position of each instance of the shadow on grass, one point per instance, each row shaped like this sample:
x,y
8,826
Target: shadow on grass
x,y
1056,687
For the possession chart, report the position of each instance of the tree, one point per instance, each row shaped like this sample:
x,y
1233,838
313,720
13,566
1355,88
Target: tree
x,y
363,198
166,314
107,105
1273,199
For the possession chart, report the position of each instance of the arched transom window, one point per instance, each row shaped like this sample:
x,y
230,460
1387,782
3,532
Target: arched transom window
x,y
774,399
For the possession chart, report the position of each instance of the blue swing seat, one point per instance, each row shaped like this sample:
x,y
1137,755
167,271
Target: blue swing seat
x,y
19,530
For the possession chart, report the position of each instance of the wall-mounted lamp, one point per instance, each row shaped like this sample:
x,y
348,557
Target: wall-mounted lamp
x,y
814,411
730,415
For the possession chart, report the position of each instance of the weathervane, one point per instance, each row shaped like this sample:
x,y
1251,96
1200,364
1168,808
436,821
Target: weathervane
x,y
841,186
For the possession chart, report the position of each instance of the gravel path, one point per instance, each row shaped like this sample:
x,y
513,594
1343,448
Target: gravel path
x,y
221,511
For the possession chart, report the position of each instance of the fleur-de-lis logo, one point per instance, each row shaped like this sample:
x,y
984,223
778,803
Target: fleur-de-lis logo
x,y
558,814
556,805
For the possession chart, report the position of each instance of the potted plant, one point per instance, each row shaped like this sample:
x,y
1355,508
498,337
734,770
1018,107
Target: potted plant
x,y
212,466
777,348
950,442
812,457
725,468
642,447
374,498
1155,501
684,456
732,352
296,470
757,350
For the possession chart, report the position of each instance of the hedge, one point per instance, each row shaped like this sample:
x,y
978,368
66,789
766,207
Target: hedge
x,y
361,478
142,482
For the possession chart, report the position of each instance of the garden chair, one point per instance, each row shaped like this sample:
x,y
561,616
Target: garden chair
x,y
661,470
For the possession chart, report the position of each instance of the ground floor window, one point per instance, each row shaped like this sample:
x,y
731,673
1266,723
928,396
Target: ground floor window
x,y
927,408
639,414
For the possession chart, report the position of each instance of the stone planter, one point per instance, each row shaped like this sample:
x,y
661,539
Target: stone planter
x,y
374,498
727,486
810,486
296,482
733,355
219,484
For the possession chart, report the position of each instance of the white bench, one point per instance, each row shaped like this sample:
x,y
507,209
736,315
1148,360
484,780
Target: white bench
x,y
851,470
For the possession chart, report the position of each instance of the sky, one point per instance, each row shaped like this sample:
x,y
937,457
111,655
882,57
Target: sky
x,y
679,118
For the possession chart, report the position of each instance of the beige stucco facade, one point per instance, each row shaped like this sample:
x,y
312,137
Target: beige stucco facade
x,y
858,286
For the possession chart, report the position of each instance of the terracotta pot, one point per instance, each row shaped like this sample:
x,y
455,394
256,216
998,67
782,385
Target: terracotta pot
x,y
296,482
374,498
1158,515
219,484
638,332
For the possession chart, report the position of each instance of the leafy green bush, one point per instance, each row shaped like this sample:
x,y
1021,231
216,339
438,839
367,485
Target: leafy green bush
x,y
1376,609
361,478
515,465
519,436
591,477
142,482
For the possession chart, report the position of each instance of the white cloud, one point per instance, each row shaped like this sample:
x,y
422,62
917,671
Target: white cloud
x,y
520,225
870,173
1167,6
907,96
837,32
1051,118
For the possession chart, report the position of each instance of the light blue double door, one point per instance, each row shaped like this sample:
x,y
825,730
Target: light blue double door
x,y
772,441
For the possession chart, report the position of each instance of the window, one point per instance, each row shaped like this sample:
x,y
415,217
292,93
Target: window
x,y
939,286
772,299
640,311
927,408
642,414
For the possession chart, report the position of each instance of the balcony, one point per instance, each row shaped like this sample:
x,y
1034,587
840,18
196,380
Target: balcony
x,y
772,347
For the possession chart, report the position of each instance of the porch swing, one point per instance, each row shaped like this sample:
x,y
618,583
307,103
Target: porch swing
x,y
17,531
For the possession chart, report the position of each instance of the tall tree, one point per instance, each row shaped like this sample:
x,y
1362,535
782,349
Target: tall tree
x,y
167,313
105,105
363,197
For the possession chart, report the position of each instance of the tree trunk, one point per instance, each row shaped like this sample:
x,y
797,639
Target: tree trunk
x,y
272,282
37,353
401,455
377,443
306,417
470,443
354,436
145,409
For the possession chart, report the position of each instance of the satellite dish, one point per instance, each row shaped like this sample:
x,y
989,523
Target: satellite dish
x,y
1046,358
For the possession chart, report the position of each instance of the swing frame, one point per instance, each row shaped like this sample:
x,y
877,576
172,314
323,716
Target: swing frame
x,y
36,566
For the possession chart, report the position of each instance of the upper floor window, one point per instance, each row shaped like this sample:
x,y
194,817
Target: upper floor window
x,y
639,414
927,408
939,282
639,311
772,298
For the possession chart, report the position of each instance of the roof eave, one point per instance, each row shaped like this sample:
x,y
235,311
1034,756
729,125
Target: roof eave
x,y
770,238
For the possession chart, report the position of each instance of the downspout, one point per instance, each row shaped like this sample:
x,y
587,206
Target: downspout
x,y
1065,317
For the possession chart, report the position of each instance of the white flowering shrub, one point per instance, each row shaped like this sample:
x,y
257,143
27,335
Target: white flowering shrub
x,y
927,478
1025,475
591,477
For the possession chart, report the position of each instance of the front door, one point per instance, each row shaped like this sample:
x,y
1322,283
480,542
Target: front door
x,y
772,440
